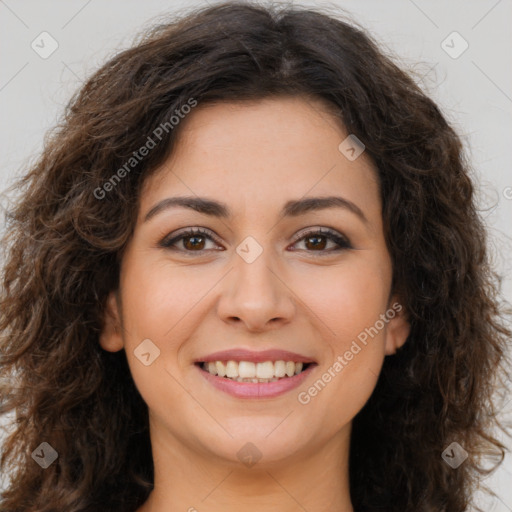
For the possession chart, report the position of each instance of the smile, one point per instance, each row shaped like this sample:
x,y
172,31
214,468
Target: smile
x,y
247,371
249,380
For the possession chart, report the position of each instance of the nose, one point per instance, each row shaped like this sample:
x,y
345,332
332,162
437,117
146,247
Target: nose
x,y
256,295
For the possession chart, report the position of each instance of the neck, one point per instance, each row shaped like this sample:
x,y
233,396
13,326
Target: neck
x,y
316,481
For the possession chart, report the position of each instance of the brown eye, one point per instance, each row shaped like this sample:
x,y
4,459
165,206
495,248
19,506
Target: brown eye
x,y
317,241
193,240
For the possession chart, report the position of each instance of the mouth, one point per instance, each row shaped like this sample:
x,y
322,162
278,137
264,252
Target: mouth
x,y
255,375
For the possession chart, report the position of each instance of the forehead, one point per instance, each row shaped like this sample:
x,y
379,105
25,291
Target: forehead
x,y
260,153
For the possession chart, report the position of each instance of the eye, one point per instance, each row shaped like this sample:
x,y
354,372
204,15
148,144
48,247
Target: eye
x,y
194,240
318,239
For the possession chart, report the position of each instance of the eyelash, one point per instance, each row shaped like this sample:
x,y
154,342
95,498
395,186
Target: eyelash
x,y
341,241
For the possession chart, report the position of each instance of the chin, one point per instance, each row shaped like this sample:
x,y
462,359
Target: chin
x,y
265,441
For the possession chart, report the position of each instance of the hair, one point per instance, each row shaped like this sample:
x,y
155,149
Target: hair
x,y
64,241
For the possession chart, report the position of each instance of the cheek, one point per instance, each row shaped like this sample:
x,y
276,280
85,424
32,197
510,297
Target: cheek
x,y
157,296
157,306
349,302
347,298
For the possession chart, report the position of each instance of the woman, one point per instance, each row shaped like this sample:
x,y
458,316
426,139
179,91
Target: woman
x,y
248,270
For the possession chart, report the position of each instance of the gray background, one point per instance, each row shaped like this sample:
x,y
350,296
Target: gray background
x,y
474,91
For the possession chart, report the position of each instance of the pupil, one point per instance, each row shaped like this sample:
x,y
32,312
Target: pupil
x,y
192,245
316,244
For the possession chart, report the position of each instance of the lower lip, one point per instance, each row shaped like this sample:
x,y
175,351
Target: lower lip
x,y
256,389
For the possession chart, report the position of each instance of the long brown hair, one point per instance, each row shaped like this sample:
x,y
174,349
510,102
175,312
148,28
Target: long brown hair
x,y
66,233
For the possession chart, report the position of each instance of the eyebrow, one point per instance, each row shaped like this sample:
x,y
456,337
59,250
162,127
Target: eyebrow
x,y
221,210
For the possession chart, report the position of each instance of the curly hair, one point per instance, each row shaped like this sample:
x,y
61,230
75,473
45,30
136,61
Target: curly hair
x,y
63,246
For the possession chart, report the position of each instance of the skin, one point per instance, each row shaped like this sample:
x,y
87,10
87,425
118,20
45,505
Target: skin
x,y
254,157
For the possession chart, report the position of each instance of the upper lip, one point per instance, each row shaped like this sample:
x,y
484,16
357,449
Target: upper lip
x,y
240,354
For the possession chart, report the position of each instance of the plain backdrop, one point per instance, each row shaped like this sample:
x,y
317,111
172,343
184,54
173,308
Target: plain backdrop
x,y
459,51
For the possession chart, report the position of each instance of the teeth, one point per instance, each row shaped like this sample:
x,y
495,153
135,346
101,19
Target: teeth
x,y
232,369
264,370
221,369
247,371
280,368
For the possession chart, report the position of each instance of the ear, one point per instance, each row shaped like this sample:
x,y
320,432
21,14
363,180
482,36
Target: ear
x,y
110,336
398,327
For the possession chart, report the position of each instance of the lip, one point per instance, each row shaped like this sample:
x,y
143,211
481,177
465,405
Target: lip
x,y
240,354
256,390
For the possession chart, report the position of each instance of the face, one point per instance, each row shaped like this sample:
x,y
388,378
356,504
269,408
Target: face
x,y
272,278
